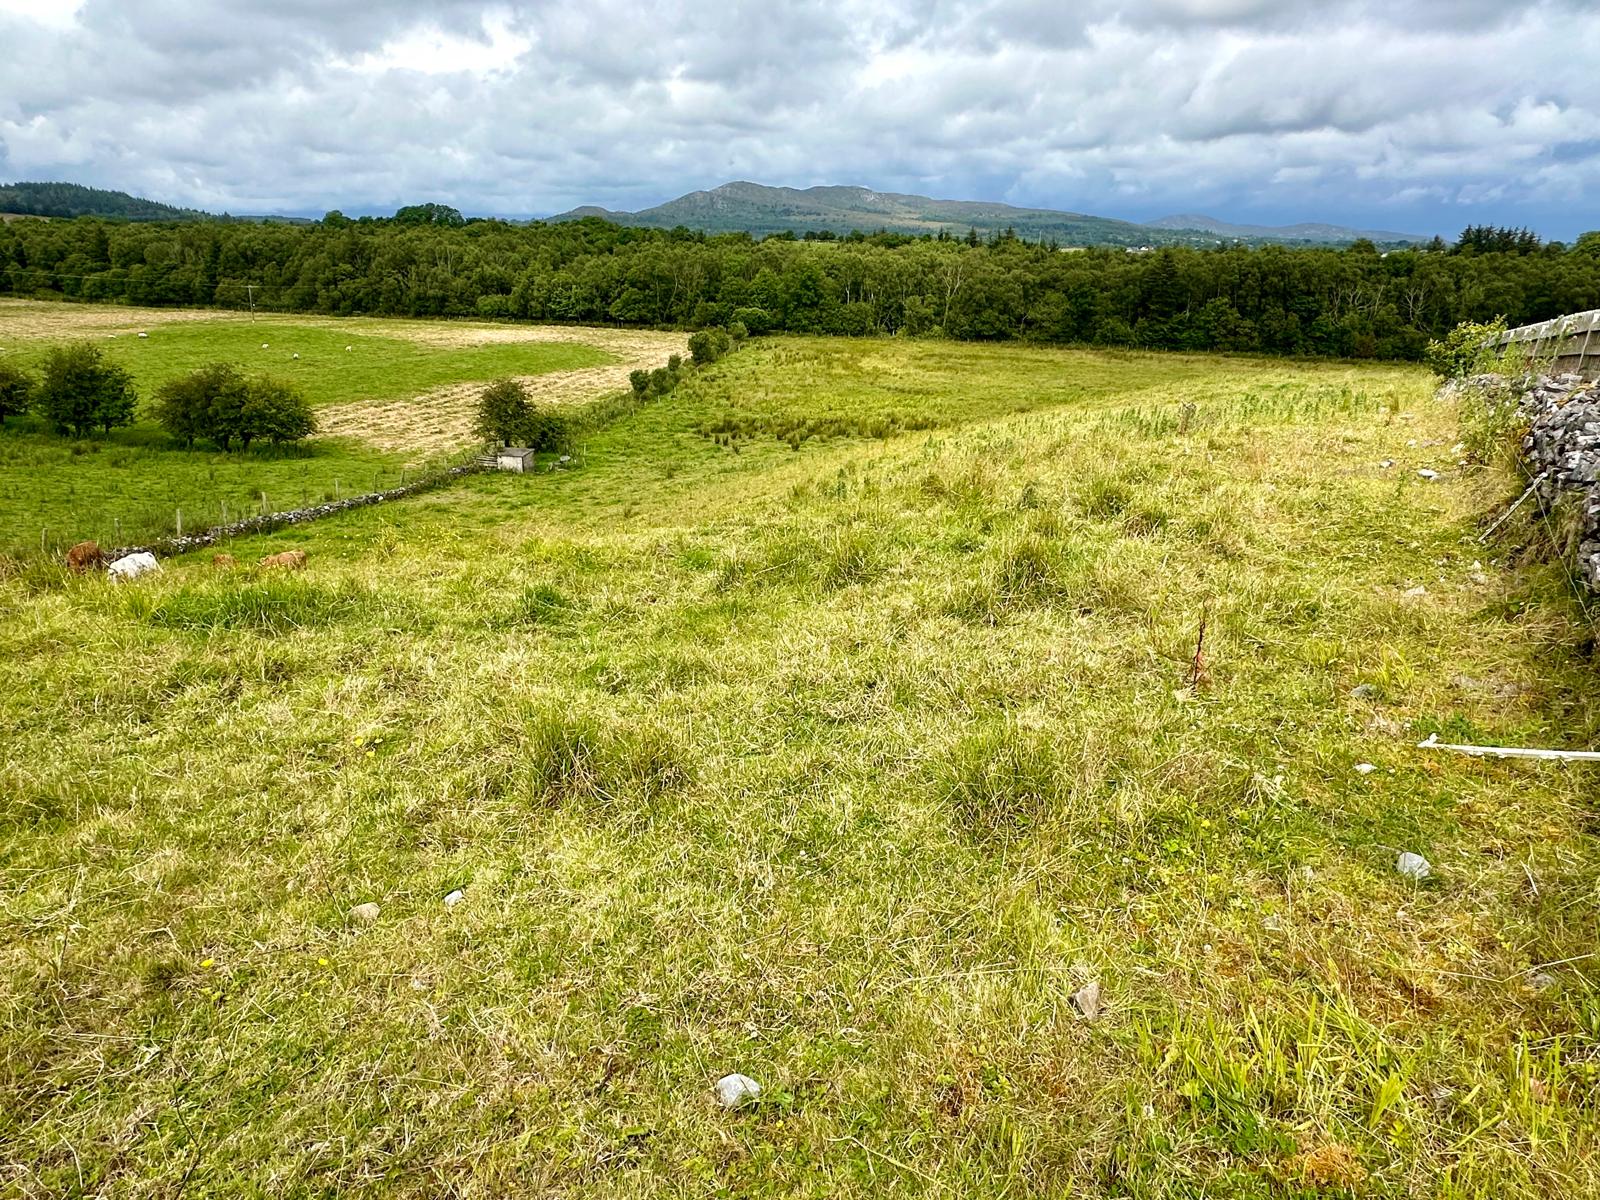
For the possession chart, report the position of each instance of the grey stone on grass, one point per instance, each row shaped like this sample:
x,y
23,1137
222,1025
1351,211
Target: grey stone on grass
x,y
1087,1000
736,1090
1413,866
366,913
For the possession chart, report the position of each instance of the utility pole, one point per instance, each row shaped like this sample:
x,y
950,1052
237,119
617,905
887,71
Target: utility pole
x,y
250,292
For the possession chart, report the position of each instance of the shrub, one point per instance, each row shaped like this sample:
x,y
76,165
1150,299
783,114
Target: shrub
x,y
1468,349
640,381
80,391
709,345
737,332
277,411
16,390
755,320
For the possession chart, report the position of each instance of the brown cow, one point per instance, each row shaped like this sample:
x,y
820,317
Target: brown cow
x,y
289,560
85,555
224,562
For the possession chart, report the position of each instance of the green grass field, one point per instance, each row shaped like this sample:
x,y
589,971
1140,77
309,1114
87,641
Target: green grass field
x,y
133,484
373,366
843,766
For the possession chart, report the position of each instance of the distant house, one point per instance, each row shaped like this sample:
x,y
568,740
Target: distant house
x,y
514,458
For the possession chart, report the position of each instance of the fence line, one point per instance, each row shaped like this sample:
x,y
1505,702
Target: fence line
x,y
1571,343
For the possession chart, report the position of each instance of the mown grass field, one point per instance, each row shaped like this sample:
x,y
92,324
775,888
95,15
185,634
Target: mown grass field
x,y
134,484
841,766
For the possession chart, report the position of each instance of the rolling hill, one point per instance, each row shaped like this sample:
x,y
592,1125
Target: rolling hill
x,y
754,208
1309,231
75,200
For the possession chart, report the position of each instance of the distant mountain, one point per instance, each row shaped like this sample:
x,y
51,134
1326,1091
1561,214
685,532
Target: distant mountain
x,y
759,210
1308,232
75,200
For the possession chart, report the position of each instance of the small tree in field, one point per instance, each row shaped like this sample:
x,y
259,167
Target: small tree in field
x,y
277,411
505,413
81,392
219,404
16,390
205,403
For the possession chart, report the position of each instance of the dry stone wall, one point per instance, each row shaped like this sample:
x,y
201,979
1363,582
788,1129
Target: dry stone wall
x,y
1562,448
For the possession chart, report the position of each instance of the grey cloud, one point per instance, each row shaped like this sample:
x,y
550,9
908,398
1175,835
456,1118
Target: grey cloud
x,y
1315,110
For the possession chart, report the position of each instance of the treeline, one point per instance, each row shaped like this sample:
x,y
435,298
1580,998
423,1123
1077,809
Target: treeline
x,y
1323,301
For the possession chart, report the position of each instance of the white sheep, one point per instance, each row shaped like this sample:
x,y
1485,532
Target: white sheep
x,y
349,348
264,346
294,356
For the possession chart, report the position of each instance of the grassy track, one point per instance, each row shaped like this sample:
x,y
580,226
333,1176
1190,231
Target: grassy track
x,y
841,766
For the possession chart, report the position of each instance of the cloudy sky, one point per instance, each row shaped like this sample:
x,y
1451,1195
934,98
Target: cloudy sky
x,y
1416,115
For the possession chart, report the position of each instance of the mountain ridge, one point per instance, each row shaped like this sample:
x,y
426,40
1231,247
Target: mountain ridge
x,y
741,206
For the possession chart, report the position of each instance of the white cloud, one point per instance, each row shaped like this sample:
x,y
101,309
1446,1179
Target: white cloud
x,y
1413,113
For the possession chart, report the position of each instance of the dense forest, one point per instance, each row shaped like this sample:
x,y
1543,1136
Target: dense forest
x,y
428,262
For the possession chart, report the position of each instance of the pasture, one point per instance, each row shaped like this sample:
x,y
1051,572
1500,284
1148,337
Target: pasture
x,y
390,396
836,725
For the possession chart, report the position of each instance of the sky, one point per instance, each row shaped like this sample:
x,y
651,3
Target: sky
x,y
1420,116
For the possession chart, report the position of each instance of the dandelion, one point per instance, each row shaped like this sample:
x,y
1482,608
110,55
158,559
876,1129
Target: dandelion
x,y
209,963
322,962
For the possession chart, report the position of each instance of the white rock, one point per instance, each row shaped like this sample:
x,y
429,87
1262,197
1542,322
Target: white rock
x,y
144,335
1413,866
1365,768
1419,590
1427,473
1386,464
132,566
1087,1000
1363,691
365,913
734,1090
454,898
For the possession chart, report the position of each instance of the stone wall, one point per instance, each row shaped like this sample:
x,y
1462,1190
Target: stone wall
x,y
295,516
1562,449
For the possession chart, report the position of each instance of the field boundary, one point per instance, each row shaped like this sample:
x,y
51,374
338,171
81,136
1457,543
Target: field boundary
x,y
266,523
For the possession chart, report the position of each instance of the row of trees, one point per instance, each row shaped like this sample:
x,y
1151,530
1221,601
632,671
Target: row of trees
x,y
78,391
1356,301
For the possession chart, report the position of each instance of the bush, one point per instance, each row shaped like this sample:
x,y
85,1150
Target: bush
x,y
755,320
1468,349
709,345
639,381
219,404
16,390
81,391
277,411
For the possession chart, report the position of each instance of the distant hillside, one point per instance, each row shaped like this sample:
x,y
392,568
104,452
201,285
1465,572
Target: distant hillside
x,y
75,200
759,210
1306,232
